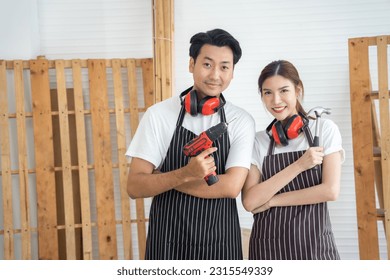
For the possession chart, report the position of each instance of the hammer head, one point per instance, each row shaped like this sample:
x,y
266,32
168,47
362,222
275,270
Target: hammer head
x,y
318,111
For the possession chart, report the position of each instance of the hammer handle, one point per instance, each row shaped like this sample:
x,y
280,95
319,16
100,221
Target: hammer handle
x,y
316,141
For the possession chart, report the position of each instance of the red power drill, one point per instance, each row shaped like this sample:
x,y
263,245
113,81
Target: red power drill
x,y
204,141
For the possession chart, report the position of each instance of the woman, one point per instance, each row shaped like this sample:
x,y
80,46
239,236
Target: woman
x,y
290,181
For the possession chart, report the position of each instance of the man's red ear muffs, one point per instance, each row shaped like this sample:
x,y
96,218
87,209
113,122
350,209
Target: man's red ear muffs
x,y
281,134
206,106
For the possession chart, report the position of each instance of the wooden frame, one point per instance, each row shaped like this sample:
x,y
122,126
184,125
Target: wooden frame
x,y
65,186
371,150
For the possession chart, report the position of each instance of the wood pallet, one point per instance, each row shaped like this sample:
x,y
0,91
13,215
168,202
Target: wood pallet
x,y
371,142
62,174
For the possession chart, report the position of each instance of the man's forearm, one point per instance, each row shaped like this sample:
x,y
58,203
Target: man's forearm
x,y
141,185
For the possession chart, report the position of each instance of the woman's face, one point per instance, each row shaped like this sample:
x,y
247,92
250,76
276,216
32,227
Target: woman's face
x,y
280,97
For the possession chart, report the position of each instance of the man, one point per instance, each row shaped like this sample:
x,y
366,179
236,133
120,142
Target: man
x,y
188,218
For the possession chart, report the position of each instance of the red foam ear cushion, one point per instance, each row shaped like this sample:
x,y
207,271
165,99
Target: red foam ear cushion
x,y
209,105
294,128
191,103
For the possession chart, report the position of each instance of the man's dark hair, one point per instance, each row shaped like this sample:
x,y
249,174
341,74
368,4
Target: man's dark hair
x,y
215,37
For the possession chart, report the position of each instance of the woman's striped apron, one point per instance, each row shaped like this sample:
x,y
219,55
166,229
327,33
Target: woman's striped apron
x,y
293,232
184,227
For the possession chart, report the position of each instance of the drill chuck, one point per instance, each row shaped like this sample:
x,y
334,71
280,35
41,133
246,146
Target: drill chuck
x,y
216,131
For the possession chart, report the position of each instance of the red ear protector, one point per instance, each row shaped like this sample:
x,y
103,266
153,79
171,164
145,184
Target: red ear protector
x,y
206,106
291,130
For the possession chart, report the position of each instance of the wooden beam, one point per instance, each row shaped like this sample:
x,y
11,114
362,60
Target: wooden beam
x,y
44,160
362,148
384,117
163,19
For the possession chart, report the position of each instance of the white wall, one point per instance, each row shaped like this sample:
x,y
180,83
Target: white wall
x,y
19,32
311,34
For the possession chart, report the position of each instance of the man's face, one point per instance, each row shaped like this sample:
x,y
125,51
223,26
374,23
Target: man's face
x,y
212,71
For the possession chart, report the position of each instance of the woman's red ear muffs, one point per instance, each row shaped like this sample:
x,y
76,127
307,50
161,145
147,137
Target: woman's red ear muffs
x,y
291,130
206,106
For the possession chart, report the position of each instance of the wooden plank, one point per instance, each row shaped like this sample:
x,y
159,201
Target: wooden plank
x,y
66,161
103,160
58,176
67,63
44,161
163,37
377,155
121,142
6,179
22,159
82,160
362,148
134,120
372,41
384,117
147,80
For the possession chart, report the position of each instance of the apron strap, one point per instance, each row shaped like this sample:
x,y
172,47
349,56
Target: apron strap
x,y
181,116
308,135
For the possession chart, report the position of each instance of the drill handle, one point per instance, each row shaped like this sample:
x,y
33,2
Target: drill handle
x,y
211,179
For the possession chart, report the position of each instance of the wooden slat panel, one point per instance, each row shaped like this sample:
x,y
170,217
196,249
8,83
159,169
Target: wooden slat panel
x,y
134,120
22,159
82,161
5,150
45,179
363,143
385,131
103,160
121,141
66,161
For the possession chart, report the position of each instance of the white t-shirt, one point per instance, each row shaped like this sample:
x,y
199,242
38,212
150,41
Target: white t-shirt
x,y
329,138
155,131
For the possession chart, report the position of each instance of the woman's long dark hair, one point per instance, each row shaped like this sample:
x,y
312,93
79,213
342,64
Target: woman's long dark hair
x,y
287,70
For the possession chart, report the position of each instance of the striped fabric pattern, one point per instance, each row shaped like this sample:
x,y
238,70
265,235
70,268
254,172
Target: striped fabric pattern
x,y
184,227
301,232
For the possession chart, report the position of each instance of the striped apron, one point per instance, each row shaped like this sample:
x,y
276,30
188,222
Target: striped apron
x,y
184,227
301,232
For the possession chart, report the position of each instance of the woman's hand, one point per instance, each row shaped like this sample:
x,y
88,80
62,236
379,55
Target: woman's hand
x,y
312,157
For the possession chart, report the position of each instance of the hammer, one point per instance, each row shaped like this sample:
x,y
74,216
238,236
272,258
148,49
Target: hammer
x,y
318,111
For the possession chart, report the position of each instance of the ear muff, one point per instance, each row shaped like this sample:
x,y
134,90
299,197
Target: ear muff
x,y
206,106
293,127
278,134
290,130
191,103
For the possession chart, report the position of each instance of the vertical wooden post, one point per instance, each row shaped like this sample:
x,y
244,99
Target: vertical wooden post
x,y
383,92
122,161
22,159
82,160
363,143
6,167
105,202
44,160
163,47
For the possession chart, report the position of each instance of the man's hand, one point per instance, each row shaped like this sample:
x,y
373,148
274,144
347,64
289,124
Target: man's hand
x,y
202,165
